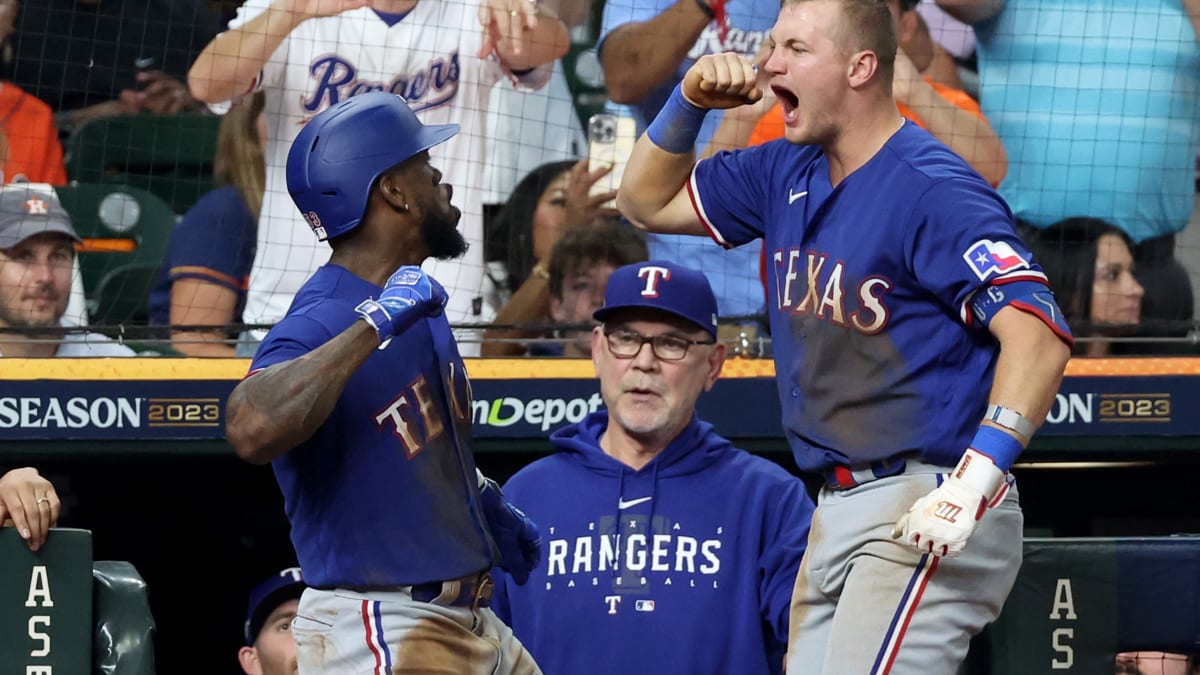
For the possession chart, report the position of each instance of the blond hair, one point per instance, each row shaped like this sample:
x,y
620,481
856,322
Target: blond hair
x,y
865,25
239,160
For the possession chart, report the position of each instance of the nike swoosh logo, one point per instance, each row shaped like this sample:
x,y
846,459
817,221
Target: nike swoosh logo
x,y
622,504
143,63
793,196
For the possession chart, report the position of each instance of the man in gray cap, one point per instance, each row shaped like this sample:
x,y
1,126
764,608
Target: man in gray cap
x,y
37,250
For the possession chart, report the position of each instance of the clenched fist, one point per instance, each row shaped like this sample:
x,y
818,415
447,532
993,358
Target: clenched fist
x,y
720,81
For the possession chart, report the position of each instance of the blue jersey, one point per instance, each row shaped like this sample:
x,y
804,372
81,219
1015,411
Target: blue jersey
x,y
684,566
380,495
213,242
876,353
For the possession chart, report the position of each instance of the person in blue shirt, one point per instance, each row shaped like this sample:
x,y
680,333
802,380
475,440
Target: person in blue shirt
x,y
917,344
1098,104
645,48
667,549
360,401
203,279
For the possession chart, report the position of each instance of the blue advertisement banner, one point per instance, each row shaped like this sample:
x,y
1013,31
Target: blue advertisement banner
x,y
744,407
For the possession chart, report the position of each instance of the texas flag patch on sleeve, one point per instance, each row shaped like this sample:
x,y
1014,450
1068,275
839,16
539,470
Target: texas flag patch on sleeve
x,y
989,258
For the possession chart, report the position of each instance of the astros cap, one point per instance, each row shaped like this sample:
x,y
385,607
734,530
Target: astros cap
x,y
286,585
27,209
665,286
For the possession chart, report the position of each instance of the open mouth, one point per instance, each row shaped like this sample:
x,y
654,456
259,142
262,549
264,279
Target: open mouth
x,y
788,101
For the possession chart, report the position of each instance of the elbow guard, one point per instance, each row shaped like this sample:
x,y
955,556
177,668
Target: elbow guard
x,y
1031,297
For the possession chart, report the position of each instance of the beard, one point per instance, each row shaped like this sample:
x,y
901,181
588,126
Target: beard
x,y
441,236
16,317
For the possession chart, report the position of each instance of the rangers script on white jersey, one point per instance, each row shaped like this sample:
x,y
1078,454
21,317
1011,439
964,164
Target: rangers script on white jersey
x,y
429,58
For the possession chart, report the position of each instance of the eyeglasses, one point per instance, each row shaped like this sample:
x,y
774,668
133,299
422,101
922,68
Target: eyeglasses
x,y
626,344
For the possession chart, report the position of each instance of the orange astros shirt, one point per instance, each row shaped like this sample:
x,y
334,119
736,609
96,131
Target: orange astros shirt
x,y
32,138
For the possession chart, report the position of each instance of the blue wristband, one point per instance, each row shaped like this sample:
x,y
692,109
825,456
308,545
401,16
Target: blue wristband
x,y
1002,447
677,125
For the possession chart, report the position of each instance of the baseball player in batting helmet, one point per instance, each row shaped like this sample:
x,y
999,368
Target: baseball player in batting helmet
x,y
360,401
917,345
444,58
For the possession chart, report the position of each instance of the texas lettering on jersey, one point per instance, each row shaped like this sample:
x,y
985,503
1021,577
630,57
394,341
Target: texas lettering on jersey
x,y
416,417
814,283
335,78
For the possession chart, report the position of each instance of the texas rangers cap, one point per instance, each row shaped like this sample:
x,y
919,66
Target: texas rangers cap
x,y
285,585
27,209
665,286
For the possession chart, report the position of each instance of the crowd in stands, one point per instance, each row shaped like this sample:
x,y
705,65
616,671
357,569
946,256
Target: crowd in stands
x,y
1086,119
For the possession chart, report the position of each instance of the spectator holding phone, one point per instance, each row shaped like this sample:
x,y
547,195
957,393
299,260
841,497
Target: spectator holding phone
x,y
645,48
552,200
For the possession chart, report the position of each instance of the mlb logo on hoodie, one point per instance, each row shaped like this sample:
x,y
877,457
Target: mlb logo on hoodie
x,y
644,605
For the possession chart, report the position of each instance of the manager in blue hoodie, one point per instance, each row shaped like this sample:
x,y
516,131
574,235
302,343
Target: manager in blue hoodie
x,y
666,549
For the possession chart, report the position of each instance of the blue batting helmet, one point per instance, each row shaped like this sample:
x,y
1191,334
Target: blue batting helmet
x,y
342,151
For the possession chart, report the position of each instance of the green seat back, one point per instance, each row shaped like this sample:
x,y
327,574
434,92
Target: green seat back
x,y
1078,602
46,623
125,231
169,155
124,627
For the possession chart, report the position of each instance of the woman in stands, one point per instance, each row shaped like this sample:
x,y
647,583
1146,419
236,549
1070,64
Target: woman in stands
x,y
545,204
201,289
1089,263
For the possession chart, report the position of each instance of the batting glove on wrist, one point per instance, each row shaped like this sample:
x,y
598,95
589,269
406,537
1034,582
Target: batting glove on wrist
x,y
515,534
941,522
408,295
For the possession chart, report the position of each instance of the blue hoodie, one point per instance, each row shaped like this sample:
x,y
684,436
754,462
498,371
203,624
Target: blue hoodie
x,y
699,579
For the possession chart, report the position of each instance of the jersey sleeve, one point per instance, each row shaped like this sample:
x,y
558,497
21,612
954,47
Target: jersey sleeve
x,y
729,193
211,241
964,240
291,338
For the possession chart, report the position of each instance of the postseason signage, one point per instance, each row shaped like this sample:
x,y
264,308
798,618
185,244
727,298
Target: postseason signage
x,y
129,399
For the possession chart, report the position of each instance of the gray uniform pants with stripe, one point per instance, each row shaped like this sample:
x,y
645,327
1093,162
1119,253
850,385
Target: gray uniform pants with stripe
x,y
865,603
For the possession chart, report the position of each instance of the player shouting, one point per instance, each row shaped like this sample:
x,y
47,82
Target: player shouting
x,y
917,345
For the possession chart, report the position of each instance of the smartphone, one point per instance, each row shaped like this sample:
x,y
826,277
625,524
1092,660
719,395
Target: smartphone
x,y
610,142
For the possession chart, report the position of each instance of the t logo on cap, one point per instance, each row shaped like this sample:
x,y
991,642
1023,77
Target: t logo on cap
x,y
653,274
642,286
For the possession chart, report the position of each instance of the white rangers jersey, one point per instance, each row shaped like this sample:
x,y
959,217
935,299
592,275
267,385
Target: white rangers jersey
x,y
429,57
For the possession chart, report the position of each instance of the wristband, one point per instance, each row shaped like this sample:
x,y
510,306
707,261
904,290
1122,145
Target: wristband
x,y
677,125
1010,419
373,313
1003,448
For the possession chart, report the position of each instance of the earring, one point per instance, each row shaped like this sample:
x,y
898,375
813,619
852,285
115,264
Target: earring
x,y
404,209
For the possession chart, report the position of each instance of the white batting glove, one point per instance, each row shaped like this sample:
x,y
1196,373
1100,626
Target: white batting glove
x,y
941,522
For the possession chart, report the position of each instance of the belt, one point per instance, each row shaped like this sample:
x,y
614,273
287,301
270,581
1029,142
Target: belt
x,y
473,591
846,476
